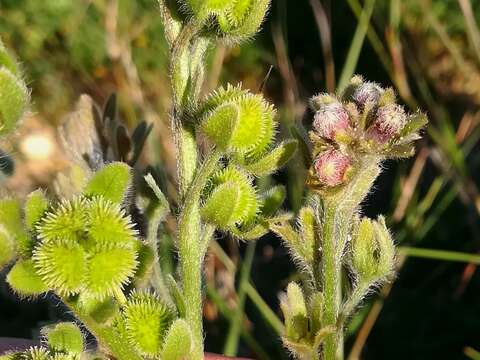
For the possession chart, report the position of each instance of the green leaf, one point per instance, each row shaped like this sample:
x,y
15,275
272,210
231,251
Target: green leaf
x,y
145,259
112,182
220,124
7,247
274,160
178,342
11,219
304,145
14,98
35,207
272,200
64,337
415,123
251,233
308,227
24,280
7,60
177,295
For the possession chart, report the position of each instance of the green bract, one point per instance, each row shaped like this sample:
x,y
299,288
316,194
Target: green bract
x,y
237,120
64,337
24,280
234,19
233,200
14,96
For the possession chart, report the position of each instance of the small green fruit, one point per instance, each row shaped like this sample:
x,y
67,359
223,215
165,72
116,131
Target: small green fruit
x,y
238,121
109,269
65,223
373,251
233,200
108,224
147,322
62,266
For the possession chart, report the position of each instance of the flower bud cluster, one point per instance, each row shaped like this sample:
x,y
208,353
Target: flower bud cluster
x,y
363,121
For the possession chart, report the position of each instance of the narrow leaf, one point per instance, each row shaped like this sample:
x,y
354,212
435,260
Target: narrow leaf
x,y
274,160
178,342
272,200
35,207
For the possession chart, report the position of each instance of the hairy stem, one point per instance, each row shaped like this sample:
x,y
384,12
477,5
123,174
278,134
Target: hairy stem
x,y
338,213
331,273
108,337
190,248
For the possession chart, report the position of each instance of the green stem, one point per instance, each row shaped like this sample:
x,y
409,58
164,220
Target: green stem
x,y
338,213
189,248
440,255
331,275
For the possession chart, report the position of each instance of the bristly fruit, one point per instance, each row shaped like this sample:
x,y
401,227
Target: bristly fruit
x,y
232,20
236,120
147,320
86,245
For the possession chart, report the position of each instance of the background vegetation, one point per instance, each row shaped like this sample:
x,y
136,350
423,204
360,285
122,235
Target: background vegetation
x,y
429,50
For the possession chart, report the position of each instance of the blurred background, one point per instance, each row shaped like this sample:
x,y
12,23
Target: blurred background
x,y
428,50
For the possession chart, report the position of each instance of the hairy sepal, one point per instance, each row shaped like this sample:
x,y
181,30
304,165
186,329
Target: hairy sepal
x,y
111,182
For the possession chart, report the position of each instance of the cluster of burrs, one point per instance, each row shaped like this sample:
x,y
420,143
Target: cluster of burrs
x,y
232,20
87,251
364,121
242,126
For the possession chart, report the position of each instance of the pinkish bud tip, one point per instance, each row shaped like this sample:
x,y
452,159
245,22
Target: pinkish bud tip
x,y
331,120
367,92
389,120
332,167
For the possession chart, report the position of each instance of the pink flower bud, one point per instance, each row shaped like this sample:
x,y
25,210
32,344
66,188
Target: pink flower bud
x,y
367,92
331,120
332,167
389,120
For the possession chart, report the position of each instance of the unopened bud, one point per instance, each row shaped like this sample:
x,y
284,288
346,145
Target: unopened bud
x,y
388,122
333,167
373,251
331,121
367,92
